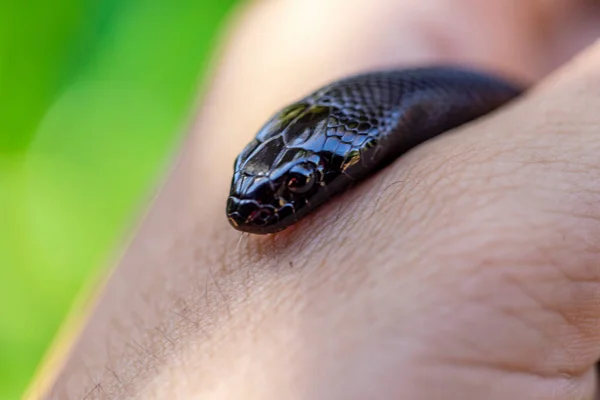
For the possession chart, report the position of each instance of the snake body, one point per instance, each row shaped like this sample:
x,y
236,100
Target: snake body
x,y
344,132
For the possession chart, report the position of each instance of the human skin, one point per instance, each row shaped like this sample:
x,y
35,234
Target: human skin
x,y
468,269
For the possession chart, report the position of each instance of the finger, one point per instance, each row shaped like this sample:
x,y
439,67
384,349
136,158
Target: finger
x,y
567,28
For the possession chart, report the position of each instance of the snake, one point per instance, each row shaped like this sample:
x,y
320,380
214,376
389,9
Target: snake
x,y
337,136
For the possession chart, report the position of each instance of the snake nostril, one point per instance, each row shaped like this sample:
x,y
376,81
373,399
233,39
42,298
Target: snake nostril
x,y
261,216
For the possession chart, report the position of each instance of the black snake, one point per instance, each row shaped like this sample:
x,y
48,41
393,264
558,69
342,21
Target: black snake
x,y
344,132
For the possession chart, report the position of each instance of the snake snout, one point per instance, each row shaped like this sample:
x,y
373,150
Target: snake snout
x,y
248,215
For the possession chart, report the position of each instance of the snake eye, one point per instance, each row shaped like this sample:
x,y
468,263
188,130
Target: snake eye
x,y
301,179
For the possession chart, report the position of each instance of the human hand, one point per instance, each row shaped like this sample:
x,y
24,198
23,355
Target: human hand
x,y
467,269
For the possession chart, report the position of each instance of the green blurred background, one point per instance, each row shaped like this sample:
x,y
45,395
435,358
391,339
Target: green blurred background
x,y
94,96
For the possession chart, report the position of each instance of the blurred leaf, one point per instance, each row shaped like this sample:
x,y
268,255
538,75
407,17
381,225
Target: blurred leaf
x,y
35,37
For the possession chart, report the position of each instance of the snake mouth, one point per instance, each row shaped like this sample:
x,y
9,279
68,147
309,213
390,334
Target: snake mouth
x,y
250,216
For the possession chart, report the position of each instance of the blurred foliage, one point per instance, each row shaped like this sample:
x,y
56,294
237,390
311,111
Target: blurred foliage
x,y
93,96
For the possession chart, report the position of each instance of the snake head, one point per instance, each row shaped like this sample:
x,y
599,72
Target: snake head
x,y
302,156
280,176
268,201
